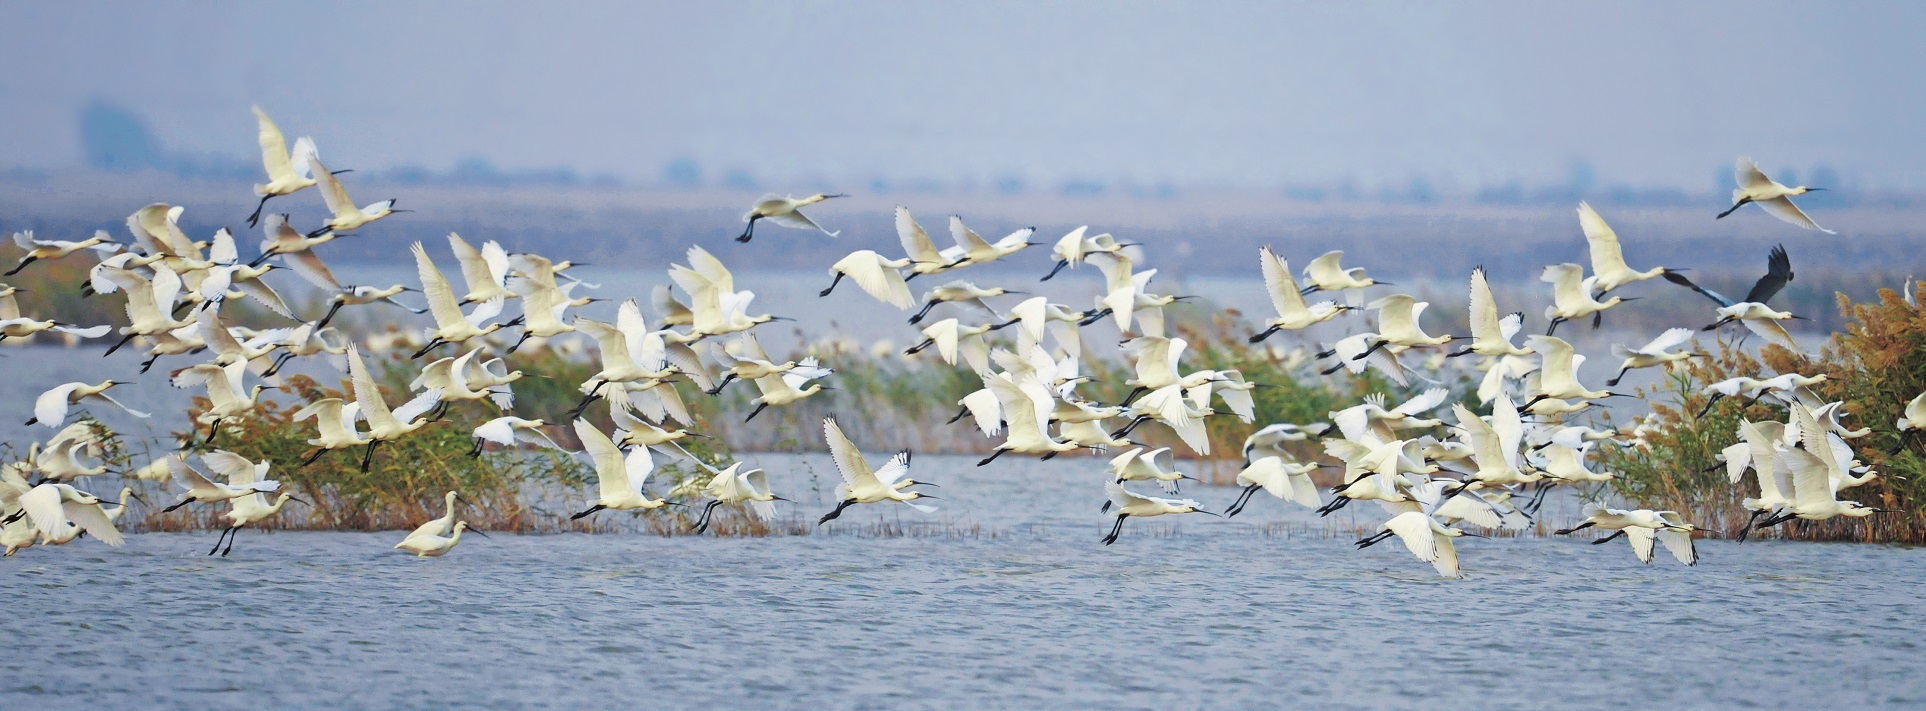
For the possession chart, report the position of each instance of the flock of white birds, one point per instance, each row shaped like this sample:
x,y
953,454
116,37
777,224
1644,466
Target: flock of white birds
x,y
1488,471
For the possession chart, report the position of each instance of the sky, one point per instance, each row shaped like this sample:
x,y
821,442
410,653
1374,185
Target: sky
x,y
1218,94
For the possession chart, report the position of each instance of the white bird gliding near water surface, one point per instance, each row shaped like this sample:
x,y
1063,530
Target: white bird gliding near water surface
x,y
862,485
1128,504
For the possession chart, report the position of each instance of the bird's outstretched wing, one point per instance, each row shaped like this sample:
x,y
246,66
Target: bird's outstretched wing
x,y
1716,297
1778,272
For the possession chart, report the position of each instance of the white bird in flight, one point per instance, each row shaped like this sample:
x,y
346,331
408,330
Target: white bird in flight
x,y
1755,187
1128,504
785,211
344,215
288,171
863,485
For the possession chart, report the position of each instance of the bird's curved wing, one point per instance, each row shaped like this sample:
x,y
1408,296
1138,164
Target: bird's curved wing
x,y
1670,339
1782,208
1778,272
1607,257
916,242
50,408
611,470
965,237
985,408
1811,479
1281,285
1748,175
1414,529
1485,325
418,406
274,147
895,469
885,284
638,465
795,218
849,460
1119,496
1773,332
332,193
1423,403
1641,540
441,298
1325,268
235,468
94,521
42,504
1679,543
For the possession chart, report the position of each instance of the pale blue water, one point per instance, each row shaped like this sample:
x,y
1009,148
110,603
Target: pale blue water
x,y
1024,610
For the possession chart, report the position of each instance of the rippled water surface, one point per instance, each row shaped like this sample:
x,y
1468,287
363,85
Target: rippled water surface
x,y
1004,599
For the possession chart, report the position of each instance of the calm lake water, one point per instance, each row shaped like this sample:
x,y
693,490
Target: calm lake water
x,y
1003,599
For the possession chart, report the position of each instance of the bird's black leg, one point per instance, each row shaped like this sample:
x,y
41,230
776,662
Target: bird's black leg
x,y
1716,397
832,285
1373,349
177,504
586,399
520,341
1621,376
310,460
1061,263
925,312
219,538
992,457
232,534
591,509
1244,498
123,341
1115,529
757,411
831,516
323,323
1139,390
1119,434
368,458
1259,338
749,232
960,413
22,265
1579,527
1373,539
1746,530
1554,325
1735,206
255,219
702,522
1608,539
424,349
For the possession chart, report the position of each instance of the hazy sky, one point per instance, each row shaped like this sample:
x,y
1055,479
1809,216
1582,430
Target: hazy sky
x,y
1252,94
